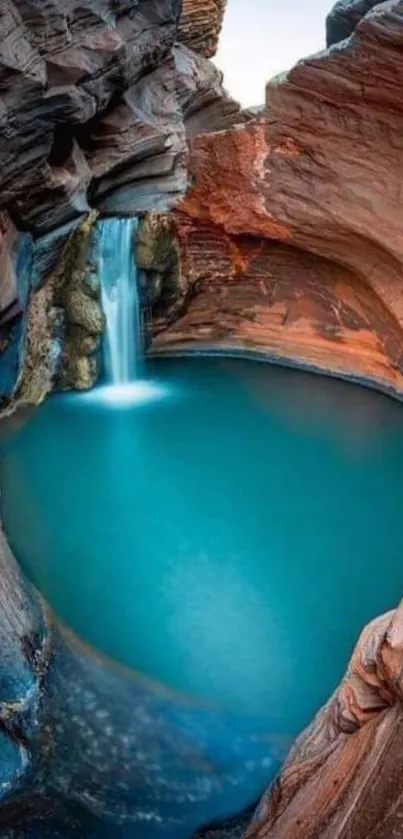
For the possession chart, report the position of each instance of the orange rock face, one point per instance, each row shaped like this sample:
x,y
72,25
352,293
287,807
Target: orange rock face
x,y
320,173
257,295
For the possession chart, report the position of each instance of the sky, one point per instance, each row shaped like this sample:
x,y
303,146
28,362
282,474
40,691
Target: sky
x,y
261,38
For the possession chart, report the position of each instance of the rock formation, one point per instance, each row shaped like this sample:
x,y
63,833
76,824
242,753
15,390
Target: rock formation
x,y
95,99
290,235
287,243
94,751
98,100
344,17
200,25
343,778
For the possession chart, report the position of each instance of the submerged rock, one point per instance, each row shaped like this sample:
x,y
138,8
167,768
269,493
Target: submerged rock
x,y
106,750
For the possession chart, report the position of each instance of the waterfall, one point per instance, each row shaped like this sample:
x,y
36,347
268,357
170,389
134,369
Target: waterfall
x,y
123,338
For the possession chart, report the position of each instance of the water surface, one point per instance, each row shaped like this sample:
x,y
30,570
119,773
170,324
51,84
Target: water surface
x,y
230,539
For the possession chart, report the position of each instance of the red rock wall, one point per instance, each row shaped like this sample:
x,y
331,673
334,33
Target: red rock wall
x,y
253,294
320,171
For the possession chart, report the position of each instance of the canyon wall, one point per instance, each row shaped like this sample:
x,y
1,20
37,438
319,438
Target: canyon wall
x,y
95,99
290,237
98,100
287,243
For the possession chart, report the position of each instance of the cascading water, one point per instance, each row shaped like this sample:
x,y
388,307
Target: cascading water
x,y
120,300
123,343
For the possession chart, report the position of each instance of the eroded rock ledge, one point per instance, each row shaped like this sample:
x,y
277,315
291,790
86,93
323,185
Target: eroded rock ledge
x,y
200,24
94,102
98,101
291,234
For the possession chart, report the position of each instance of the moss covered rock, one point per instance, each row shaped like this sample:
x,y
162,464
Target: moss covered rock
x,y
157,257
155,248
83,311
78,294
80,372
81,342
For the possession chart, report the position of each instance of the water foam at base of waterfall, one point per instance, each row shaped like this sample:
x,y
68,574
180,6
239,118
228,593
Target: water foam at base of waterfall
x,y
140,392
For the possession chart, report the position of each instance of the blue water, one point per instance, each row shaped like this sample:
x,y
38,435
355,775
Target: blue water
x,y
230,538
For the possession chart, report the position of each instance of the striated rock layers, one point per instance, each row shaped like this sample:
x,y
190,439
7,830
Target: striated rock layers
x,y
200,24
97,102
343,776
291,236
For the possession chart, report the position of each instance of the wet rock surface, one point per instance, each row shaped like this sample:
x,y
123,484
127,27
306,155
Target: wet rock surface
x,y
91,745
16,278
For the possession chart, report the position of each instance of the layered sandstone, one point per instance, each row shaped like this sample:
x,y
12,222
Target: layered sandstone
x,y
200,25
343,776
291,234
259,296
94,102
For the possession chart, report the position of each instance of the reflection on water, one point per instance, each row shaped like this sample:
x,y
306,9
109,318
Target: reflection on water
x,y
230,540
353,412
